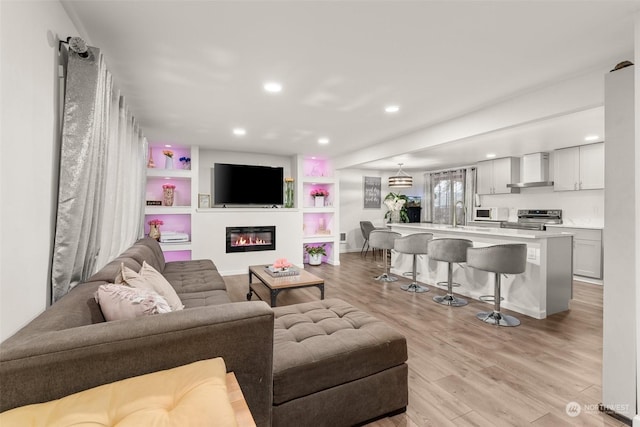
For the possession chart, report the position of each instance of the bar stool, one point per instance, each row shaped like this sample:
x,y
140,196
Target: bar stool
x,y
414,244
383,239
498,259
449,251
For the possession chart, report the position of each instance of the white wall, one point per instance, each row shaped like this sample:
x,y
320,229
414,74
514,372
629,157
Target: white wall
x,y
209,237
352,202
209,157
29,33
619,295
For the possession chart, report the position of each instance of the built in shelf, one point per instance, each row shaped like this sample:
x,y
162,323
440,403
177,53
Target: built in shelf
x,y
171,173
326,209
319,238
168,210
319,180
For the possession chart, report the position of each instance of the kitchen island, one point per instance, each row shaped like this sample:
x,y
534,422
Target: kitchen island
x,y
544,288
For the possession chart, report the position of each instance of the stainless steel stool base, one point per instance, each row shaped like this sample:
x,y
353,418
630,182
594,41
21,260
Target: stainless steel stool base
x,y
445,284
386,278
497,318
414,287
450,300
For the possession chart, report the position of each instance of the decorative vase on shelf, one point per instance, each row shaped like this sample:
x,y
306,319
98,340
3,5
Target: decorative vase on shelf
x,y
150,163
154,232
168,192
395,217
319,201
315,259
288,193
168,162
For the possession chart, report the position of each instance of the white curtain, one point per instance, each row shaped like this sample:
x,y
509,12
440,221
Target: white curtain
x,y
447,188
102,168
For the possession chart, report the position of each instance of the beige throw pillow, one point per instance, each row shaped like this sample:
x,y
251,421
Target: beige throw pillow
x,y
150,278
119,302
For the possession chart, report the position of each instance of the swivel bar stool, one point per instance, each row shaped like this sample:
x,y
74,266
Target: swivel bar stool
x,y
498,259
449,251
414,244
383,239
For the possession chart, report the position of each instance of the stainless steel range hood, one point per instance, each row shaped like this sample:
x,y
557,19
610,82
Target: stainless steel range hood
x,y
535,171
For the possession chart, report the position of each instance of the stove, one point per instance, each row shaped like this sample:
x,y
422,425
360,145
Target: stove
x,y
534,219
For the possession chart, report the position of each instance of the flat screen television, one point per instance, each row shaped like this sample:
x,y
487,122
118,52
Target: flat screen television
x,y
247,185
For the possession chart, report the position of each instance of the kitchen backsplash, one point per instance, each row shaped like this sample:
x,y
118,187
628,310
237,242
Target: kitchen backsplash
x,y
578,207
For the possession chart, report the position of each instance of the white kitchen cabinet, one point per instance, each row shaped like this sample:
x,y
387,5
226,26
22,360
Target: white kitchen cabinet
x,y
587,251
579,168
591,166
494,175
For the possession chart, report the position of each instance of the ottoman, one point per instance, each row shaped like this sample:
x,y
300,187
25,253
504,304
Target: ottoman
x,y
335,365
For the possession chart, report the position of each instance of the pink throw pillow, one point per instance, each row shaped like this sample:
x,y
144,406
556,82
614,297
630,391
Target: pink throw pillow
x,y
119,302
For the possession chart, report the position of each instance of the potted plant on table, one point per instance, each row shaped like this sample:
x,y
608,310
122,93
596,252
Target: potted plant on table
x,y
315,253
397,205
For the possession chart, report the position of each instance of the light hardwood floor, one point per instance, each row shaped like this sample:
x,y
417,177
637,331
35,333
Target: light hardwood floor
x,y
463,372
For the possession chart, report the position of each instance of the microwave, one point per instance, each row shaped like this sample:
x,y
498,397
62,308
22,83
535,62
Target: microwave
x,y
490,214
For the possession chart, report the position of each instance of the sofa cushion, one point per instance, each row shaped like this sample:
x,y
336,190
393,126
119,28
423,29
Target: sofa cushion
x,y
326,343
185,266
119,302
202,299
144,251
109,272
193,394
195,281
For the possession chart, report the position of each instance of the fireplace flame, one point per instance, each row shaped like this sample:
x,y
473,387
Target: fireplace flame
x,y
249,241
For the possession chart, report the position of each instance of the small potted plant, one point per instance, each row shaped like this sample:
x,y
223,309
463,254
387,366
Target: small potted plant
x,y
319,194
315,253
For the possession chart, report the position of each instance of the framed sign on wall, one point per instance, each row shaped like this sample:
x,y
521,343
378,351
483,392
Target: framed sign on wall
x,y
371,192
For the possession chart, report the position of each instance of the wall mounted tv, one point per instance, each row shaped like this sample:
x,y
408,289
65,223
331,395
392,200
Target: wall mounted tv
x,y
247,185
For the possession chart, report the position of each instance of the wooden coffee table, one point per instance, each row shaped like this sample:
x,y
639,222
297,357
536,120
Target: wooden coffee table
x,y
279,284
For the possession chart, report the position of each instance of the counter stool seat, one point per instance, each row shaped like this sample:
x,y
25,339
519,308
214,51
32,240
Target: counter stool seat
x,y
383,239
498,259
449,251
413,244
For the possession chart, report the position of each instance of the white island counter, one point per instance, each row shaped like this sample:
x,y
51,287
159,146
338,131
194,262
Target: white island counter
x,y
544,288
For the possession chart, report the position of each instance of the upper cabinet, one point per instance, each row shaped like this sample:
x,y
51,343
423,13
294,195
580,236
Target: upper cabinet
x,y
494,175
579,168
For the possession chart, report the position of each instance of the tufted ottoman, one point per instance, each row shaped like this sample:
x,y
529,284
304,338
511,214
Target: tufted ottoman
x,y
335,365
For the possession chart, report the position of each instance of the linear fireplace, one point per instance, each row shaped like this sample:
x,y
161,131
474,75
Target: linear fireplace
x,y
247,239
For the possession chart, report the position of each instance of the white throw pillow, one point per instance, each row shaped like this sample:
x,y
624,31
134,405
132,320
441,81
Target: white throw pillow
x,y
118,302
150,278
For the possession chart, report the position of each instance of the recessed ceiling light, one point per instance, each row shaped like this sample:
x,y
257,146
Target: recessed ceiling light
x,y
490,156
272,87
591,138
323,140
167,145
239,131
392,108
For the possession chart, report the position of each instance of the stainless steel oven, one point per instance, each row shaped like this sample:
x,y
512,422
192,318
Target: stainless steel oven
x,y
534,219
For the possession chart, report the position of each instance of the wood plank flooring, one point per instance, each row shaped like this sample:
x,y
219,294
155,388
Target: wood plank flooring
x,y
463,372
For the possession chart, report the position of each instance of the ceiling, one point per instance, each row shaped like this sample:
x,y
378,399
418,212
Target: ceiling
x,y
192,71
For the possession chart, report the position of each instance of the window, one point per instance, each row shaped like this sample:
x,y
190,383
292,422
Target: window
x,y
447,194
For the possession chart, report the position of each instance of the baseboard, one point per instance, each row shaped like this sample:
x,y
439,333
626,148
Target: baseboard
x,y
619,417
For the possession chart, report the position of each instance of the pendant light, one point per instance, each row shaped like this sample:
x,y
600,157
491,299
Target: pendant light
x,y
401,179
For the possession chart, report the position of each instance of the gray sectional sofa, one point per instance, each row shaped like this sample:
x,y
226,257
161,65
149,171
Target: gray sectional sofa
x,y
331,364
